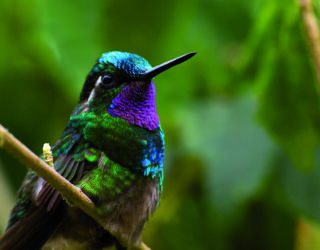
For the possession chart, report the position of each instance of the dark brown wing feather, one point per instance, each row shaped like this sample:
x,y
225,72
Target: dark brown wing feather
x,y
31,232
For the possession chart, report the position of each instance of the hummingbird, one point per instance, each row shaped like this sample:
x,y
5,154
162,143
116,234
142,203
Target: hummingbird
x,y
112,149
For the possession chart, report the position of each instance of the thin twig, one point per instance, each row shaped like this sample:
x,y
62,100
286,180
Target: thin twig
x,y
69,192
312,33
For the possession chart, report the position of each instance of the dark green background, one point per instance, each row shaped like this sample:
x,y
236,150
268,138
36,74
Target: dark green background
x,y
241,118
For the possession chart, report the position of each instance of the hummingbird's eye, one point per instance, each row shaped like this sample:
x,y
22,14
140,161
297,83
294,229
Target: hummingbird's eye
x,y
107,81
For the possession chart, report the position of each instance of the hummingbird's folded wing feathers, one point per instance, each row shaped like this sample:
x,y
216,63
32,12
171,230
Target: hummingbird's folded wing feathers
x,y
32,223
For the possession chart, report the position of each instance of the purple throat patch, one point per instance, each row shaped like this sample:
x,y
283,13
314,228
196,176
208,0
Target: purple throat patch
x,y
136,104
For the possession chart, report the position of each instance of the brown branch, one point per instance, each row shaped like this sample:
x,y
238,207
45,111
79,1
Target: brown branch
x,y
73,195
312,33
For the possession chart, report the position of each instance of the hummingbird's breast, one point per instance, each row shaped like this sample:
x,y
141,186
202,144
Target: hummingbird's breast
x,y
127,144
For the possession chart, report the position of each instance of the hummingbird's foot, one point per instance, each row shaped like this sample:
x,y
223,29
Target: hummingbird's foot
x,y
71,204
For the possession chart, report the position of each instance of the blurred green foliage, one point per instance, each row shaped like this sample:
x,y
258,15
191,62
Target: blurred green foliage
x,y
241,118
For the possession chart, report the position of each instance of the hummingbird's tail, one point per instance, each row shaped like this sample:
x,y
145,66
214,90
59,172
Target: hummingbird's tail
x,y
34,230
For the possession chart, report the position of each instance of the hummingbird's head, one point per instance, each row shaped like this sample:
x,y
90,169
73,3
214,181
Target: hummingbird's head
x,y
121,83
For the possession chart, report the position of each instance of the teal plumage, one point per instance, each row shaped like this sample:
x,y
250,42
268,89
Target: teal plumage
x,y
113,149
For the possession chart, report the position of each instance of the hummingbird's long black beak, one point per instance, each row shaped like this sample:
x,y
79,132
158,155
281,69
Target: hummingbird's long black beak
x,y
148,75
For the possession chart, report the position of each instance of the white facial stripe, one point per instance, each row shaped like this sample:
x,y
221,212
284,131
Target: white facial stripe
x,y
93,90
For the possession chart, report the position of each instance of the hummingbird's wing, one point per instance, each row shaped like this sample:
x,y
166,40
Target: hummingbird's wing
x,y
40,209
33,230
